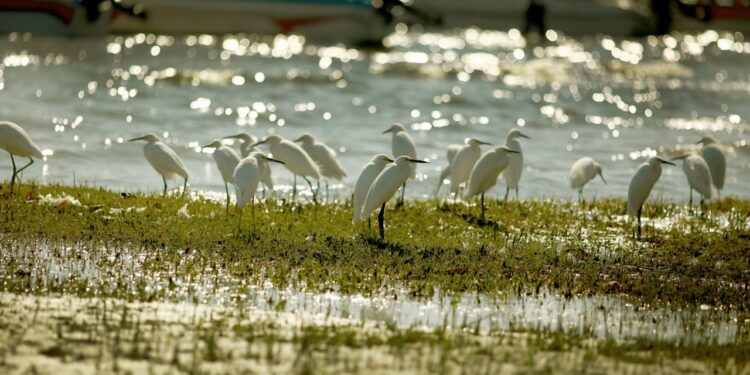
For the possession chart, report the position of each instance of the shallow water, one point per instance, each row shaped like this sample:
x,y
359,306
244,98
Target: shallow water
x,y
107,272
80,98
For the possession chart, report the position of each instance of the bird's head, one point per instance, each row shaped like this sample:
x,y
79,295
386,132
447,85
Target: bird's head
x,y
381,159
215,144
658,160
271,140
516,133
395,128
476,142
261,157
506,149
707,140
148,137
247,138
403,159
305,138
598,169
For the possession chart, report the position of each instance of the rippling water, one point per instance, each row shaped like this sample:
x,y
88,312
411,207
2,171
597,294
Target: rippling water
x,y
615,100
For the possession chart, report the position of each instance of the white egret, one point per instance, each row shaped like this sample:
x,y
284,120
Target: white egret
x,y
512,174
17,141
385,187
402,144
324,156
450,154
464,162
370,171
583,171
163,159
246,176
716,160
295,159
698,175
486,170
226,160
643,181
246,147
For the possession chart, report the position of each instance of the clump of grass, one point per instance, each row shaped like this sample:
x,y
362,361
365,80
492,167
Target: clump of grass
x,y
430,245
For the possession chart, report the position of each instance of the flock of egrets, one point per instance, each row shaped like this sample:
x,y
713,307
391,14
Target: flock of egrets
x,y
470,172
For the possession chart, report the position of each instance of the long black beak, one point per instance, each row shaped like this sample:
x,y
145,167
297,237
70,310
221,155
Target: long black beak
x,y
259,143
484,143
274,160
523,136
603,180
387,131
136,139
410,160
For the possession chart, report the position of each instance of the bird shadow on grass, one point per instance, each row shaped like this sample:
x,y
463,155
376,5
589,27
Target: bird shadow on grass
x,y
374,241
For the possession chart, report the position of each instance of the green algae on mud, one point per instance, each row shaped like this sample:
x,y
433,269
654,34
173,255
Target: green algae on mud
x,y
695,258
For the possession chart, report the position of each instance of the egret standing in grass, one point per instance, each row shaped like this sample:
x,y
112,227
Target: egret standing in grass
x,y
403,145
226,160
324,156
643,181
385,187
716,160
464,162
246,177
370,171
16,141
295,159
698,175
512,175
163,159
246,147
583,171
486,170
450,154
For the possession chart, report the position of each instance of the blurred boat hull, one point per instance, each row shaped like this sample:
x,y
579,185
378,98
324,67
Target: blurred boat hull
x,y
575,17
346,21
51,17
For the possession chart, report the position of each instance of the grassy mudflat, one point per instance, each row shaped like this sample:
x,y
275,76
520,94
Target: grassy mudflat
x,y
143,249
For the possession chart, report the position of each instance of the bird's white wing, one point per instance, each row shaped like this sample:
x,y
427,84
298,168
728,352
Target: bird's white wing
x,y
451,151
164,160
16,141
384,187
362,186
462,165
246,177
403,145
643,181
485,172
296,159
717,163
698,175
325,157
226,160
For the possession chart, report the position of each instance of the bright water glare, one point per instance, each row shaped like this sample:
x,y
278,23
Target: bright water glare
x,y
617,100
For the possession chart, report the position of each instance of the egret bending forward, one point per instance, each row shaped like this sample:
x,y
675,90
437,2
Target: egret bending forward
x,y
163,159
295,159
403,145
246,177
643,181
716,160
385,187
16,141
512,175
370,171
698,175
583,171
324,156
485,172
450,154
226,160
